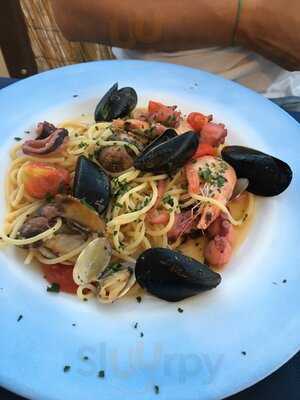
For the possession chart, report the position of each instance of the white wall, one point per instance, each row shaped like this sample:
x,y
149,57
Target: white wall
x,y
3,69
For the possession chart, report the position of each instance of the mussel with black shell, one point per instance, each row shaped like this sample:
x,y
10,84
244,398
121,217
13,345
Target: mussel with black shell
x,y
116,103
267,175
171,276
91,184
168,153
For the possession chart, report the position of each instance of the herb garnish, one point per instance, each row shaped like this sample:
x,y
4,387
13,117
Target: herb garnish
x,y
135,325
19,317
101,373
180,310
244,353
141,334
82,145
138,299
17,139
67,368
156,389
85,358
284,281
49,197
168,200
119,187
54,288
114,267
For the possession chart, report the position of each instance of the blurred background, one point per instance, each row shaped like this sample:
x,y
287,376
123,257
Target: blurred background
x,y
31,41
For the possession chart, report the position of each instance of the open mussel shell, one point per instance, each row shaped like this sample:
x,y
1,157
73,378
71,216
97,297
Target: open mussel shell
x,y
115,282
267,175
167,135
170,155
91,184
92,261
171,276
116,103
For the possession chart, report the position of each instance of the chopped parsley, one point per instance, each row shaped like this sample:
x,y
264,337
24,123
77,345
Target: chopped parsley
x,y
214,174
141,334
19,318
135,325
27,132
119,188
170,120
117,204
49,197
244,353
168,200
85,358
73,324
82,145
17,139
156,389
144,203
138,299
75,95
101,373
180,310
284,281
114,267
67,368
54,288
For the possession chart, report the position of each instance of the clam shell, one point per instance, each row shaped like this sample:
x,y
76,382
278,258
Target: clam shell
x,y
92,261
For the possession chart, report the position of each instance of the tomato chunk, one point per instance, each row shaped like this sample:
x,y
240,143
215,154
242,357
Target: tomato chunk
x,y
62,275
204,149
154,106
197,120
166,115
41,179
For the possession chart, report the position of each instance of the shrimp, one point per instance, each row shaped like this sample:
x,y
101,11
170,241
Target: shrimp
x,y
210,177
130,124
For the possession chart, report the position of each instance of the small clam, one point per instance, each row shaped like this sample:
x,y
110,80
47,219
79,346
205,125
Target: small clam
x,y
267,175
116,103
91,184
92,261
115,282
171,276
169,155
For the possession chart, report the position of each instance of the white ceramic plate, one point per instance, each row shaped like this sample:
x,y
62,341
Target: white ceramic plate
x,y
192,355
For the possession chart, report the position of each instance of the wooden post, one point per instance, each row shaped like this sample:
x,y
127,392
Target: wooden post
x,y
14,40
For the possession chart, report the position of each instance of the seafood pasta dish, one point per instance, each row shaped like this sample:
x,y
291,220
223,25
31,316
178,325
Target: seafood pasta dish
x,y
135,198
